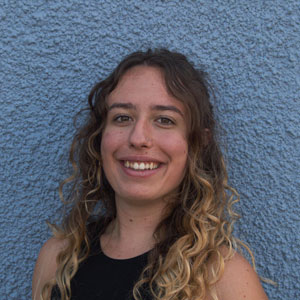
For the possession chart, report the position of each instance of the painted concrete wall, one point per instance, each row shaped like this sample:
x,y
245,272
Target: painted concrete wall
x,y
52,52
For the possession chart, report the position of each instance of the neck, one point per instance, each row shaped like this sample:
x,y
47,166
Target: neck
x,y
131,233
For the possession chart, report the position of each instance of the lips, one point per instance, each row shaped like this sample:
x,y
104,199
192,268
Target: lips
x,y
140,166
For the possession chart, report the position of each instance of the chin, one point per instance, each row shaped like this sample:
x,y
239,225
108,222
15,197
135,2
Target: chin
x,y
141,199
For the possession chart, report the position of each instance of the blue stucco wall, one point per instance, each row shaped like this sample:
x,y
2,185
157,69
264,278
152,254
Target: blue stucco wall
x,y
51,54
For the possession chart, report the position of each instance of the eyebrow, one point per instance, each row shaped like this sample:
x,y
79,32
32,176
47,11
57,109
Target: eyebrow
x,y
167,107
154,107
122,105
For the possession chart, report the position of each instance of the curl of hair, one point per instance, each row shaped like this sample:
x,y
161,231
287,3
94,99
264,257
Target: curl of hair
x,y
200,218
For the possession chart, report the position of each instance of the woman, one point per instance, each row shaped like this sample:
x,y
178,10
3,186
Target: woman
x,y
148,160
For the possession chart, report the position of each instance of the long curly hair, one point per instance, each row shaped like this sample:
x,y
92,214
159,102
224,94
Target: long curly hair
x,y
200,219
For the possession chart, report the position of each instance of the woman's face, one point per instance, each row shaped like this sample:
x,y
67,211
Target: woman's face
x,y
144,142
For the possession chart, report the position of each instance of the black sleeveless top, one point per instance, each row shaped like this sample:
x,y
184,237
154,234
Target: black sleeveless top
x,y
103,278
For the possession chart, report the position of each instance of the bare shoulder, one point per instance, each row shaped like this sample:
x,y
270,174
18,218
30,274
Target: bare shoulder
x,y
239,281
46,266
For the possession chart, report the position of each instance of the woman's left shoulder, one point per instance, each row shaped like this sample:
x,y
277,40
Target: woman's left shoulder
x,y
239,280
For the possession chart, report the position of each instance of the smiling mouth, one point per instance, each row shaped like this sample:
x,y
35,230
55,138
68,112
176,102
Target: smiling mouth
x,y
140,166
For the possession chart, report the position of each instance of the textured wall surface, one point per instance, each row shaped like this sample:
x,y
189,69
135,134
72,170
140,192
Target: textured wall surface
x,y
51,54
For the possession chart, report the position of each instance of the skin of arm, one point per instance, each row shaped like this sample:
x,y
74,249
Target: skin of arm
x,y
45,266
239,281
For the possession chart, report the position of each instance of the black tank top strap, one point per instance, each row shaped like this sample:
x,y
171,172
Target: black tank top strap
x,y
93,232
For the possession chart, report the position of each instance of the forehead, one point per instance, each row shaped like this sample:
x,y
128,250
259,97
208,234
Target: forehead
x,y
143,85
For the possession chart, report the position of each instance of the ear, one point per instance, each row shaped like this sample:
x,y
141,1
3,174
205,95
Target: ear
x,y
206,136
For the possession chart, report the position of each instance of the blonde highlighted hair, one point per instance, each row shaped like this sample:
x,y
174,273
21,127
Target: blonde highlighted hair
x,y
200,219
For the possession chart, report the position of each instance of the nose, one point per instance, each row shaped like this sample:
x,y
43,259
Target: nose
x,y
140,135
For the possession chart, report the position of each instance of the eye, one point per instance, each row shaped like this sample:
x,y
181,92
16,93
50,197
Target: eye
x,y
165,121
122,119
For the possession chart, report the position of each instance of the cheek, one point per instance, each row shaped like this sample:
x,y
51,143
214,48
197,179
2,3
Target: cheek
x,y
106,142
111,141
176,147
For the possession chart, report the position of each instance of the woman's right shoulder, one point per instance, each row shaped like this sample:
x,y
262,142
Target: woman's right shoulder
x,y
45,267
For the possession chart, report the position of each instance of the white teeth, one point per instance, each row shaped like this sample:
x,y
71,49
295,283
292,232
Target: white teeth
x,y
140,165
